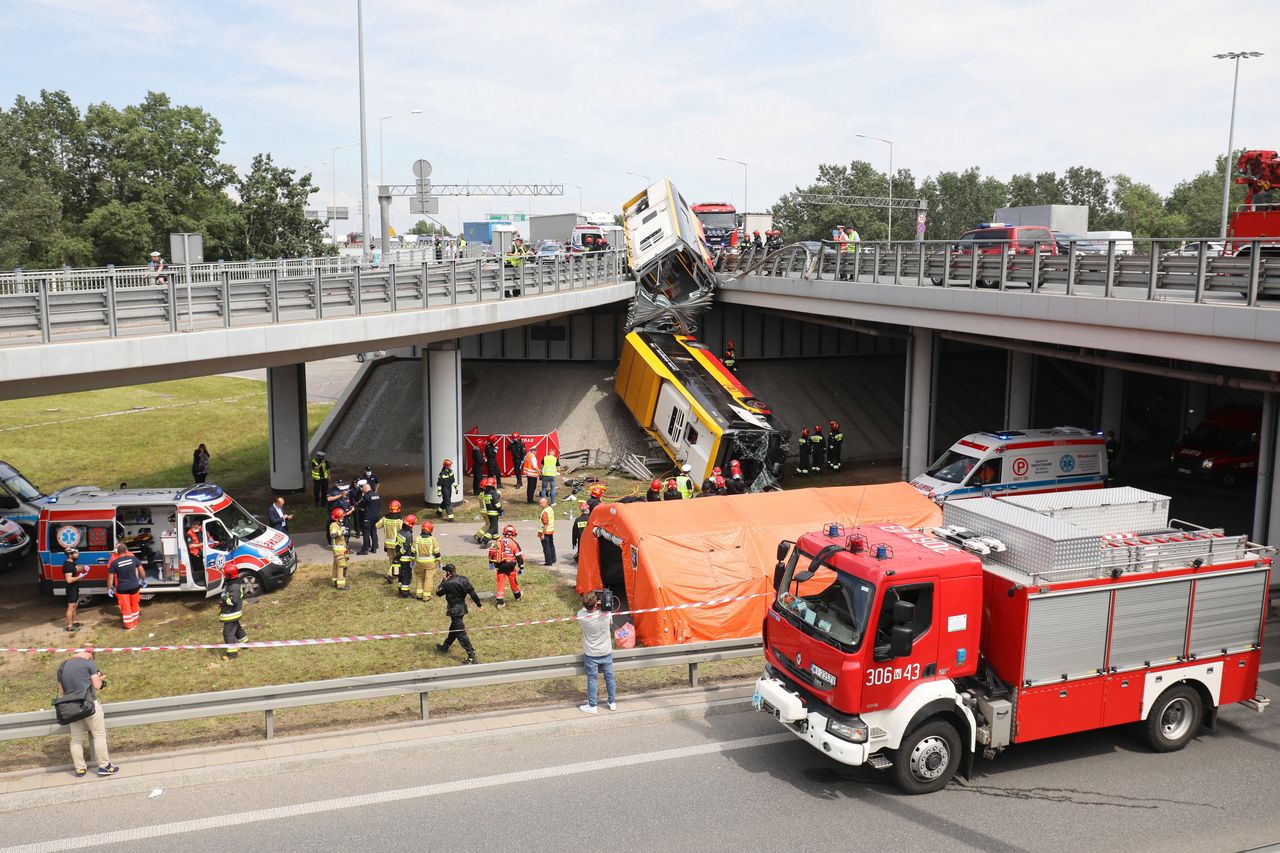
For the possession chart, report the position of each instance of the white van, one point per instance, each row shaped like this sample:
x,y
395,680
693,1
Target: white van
x,y
1123,239
1017,462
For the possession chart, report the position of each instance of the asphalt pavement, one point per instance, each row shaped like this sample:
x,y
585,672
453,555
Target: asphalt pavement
x,y
720,778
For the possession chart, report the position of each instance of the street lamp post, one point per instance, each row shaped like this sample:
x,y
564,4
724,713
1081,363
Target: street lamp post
x,y
381,120
744,182
333,182
888,142
364,142
647,181
579,189
1236,56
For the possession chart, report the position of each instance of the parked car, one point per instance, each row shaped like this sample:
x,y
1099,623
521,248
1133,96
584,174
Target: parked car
x,y
1083,245
992,238
815,247
1192,249
14,543
549,249
1223,448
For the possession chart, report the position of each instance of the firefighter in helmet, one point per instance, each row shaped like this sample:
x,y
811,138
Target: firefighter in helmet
x,y
390,524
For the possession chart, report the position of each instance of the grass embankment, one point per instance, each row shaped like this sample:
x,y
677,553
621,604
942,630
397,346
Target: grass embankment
x,y
309,607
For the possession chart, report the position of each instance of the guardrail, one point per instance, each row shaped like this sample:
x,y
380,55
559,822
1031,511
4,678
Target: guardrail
x,y
268,700
1185,270
227,295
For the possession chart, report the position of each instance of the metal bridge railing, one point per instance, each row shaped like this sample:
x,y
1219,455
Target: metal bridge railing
x,y
268,700
121,302
1148,269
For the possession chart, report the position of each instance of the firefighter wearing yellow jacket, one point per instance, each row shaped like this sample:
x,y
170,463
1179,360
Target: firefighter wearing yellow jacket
x,y
390,524
428,558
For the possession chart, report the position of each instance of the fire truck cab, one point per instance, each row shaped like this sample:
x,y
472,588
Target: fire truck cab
x,y
1017,461
1023,617
184,538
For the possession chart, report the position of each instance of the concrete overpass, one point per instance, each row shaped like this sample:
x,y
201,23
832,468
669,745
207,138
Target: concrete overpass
x,y
1217,318
58,339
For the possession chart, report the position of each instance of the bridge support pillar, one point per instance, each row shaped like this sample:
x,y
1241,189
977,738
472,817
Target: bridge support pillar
x,y
287,426
1266,501
1017,390
441,416
1195,405
917,419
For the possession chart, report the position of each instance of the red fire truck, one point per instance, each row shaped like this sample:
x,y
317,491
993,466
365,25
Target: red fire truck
x,y
1259,216
719,224
1021,618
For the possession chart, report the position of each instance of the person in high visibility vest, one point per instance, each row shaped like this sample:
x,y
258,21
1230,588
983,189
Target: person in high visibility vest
x,y
462,246
390,524
509,562
853,238
550,470
805,448
230,609
338,540
491,507
529,468
730,359
836,440
684,483
406,555
319,477
445,481
580,526
547,532
428,557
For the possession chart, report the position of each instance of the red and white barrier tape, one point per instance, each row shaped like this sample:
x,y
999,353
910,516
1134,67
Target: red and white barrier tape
x,y
333,641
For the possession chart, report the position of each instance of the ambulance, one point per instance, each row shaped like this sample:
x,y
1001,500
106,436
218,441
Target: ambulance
x,y
184,538
1017,462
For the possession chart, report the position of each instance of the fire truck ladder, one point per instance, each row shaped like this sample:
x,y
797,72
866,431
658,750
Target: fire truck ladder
x,y
1152,552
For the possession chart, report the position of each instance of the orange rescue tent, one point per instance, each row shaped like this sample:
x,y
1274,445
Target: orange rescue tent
x,y
679,552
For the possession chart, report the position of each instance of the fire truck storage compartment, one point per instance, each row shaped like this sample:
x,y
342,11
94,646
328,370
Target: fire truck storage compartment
x,y
1066,636
1101,511
1227,613
1035,542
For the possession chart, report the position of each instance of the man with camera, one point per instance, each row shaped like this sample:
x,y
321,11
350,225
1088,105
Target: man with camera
x,y
596,620
77,674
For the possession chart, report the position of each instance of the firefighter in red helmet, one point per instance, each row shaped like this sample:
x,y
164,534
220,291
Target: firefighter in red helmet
x,y
655,491
730,360
806,448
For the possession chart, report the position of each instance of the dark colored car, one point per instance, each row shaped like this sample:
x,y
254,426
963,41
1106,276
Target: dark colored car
x,y
1223,448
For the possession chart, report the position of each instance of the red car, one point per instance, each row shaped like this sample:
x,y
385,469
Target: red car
x,y
992,238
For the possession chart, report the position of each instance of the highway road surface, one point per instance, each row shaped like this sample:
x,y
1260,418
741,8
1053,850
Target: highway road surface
x,y
720,778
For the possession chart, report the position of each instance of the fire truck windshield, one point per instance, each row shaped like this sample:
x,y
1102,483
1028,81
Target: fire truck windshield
x,y
952,467
718,220
240,523
826,604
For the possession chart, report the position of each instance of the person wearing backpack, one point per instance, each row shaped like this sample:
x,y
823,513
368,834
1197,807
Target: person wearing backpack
x,y
76,675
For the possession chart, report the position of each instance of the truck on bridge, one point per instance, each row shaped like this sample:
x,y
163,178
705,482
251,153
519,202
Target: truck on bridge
x,y
1259,216
1020,618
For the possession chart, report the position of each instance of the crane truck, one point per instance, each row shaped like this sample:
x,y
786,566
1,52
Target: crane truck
x,y
1020,618
1259,217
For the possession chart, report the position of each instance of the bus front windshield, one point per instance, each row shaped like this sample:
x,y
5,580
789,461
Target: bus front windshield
x,y
830,605
952,467
240,523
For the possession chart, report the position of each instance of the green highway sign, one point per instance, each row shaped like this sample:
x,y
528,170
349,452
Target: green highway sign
x,y
512,217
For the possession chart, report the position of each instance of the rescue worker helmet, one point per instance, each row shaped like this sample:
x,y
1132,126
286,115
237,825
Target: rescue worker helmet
x,y
655,485
515,435
509,530
734,463
232,571
394,506
671,484
410,520
583,506
835,426
448,463
805,432
716,471
337,514
428,527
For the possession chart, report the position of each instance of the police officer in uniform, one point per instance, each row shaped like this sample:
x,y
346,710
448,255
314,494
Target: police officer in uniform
x,y
684,483
819,445
338,539
477,469
370,515
444,485
491,460
455,590
516,445
319,477
836,440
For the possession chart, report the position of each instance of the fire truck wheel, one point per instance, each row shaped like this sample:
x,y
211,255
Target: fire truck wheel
x,y
1174,719
928,758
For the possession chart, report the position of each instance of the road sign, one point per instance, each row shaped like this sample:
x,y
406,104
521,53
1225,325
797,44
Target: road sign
x,y
425,205
186,248
920,222
312,214
336,212
510,217
421,168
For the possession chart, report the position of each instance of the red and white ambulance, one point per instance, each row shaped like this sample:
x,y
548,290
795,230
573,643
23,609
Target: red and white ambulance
x,y
1024,617
1017,462
184,538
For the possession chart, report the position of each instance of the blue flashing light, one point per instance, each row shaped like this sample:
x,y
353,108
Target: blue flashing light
x,y
882,552
831,529
202,493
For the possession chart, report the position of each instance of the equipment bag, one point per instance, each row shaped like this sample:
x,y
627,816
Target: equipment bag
x,y
74,706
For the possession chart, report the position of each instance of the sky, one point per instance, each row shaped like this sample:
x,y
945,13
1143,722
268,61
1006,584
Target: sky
x,y
560,91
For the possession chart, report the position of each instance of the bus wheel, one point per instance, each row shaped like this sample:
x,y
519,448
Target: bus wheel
x,y
927,758
1174,719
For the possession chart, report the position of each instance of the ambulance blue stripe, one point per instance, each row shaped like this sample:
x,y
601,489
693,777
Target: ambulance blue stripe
x,y
1018,487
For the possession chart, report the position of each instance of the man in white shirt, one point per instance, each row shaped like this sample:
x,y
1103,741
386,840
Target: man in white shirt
x,y
597,650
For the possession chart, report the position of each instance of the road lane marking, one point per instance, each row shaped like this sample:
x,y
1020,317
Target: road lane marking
x,y
1268,667
380,798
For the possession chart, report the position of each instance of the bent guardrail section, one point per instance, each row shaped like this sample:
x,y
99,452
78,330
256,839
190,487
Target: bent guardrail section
x,y
268,700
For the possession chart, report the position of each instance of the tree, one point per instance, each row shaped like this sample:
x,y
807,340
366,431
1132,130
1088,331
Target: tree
x,y
960,200
1199,200
429,229
32,233
1044,188
272,213
1140,210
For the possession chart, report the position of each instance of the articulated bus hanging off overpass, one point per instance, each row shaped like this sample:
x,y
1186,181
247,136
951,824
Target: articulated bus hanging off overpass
x,y
669,257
